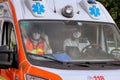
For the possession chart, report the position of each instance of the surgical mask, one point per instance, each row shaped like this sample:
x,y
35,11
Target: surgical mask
x,y
77,34
36,36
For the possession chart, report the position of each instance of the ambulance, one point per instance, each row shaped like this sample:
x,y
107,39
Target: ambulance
x,y
58,40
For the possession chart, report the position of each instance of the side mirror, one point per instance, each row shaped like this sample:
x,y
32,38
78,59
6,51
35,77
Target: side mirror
x,y
6,57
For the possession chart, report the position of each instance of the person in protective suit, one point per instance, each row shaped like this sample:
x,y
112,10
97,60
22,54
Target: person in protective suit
x,y
76,40
36,42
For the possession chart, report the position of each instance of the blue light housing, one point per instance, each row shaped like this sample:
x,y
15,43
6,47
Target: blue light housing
x,y
91,1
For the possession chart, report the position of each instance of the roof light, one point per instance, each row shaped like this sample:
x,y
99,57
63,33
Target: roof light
x,y
67,11
91,1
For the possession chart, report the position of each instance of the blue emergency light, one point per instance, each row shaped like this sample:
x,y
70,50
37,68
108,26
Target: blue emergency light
x,y
91,1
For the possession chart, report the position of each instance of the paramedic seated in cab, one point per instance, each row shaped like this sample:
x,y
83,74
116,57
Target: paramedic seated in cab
x,y
37,42
76,40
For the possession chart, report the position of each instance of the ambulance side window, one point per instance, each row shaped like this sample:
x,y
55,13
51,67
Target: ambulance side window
x,y
8,35
111,39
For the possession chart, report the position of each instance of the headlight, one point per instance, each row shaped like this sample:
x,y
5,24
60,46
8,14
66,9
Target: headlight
x,y
31,77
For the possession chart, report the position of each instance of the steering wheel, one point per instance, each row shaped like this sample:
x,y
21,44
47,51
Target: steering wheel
x,y
112,51
90,46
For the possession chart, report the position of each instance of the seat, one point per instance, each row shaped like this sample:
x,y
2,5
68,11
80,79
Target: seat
x,y
73,52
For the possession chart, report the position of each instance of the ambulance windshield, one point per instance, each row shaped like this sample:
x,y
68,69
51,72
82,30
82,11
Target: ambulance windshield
x,y
71,40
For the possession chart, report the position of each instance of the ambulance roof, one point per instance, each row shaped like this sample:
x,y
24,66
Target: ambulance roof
x,y
52,10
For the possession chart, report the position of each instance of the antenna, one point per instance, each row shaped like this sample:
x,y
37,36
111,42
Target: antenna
x,y
77,8
54,6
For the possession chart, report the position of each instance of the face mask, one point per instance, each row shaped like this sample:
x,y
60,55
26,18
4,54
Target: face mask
x,y
76,34
36,36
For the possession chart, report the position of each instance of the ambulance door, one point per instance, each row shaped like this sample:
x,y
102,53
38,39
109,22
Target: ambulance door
x,y
9,39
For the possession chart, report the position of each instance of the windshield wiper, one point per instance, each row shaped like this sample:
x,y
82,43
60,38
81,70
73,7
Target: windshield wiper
x,y
46,57
79,64
114,63
50,57
100,64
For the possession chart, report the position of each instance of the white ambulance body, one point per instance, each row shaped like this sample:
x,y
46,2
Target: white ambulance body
x,y
82,38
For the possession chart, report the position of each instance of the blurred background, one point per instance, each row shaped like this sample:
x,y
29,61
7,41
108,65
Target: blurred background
x,y
113,7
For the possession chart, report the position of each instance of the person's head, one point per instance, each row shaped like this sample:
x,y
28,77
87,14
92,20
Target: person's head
x,y
76,34
35,34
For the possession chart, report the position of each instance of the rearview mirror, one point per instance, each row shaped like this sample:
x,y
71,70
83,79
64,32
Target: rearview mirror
x,y
6,57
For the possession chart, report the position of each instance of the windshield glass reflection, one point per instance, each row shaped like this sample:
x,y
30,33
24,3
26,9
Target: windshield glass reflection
x,y
71,40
